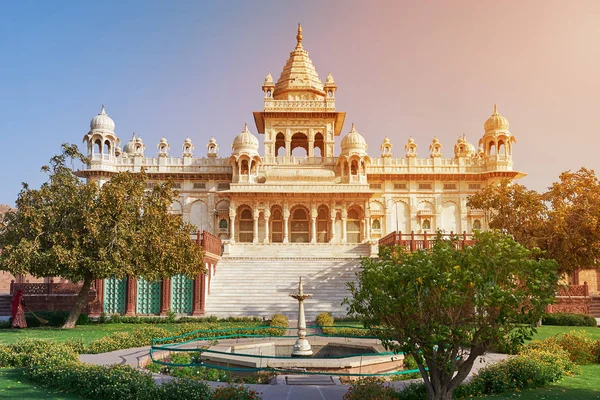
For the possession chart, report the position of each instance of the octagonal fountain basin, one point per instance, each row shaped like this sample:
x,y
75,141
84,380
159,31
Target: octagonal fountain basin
x,y
338,355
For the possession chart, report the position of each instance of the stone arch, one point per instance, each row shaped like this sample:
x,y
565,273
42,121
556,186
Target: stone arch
x,y
276,221
299,224
319,144
279,144
176,208
400,217
299,141
354,221
450,217
199,215
323,218
245,224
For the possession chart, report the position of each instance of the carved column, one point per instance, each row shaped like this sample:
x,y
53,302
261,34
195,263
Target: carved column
x,y
311,147
313,223
231,225
198,295
288,148
255,226
367,228
267,215
165,297
344,224
131,296
333,214
286,216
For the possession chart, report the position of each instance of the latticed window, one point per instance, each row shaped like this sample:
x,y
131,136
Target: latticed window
x,y
182,290
322,226
477,225
114,295
246,226
353,227
223,224
299,225
426,224
148,297
276,226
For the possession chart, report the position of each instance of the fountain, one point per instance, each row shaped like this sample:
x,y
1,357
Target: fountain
x,y
301,347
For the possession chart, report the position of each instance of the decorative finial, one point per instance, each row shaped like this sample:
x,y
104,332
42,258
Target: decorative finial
x,y
133,136
299,36
102,110
495,110
245,127
352,129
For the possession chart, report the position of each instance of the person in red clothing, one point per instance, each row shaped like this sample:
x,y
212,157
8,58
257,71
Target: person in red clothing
x,y
18,311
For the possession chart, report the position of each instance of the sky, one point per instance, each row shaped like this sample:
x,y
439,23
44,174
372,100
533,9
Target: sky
x,y
403,68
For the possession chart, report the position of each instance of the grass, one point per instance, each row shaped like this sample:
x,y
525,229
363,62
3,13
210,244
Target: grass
x,y
88,332
549,330
14,386
585,386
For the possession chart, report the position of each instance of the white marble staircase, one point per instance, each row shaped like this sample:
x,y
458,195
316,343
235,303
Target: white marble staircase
x,y
256,280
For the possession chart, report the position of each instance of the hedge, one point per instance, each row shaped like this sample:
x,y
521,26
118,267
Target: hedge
x,y
568,319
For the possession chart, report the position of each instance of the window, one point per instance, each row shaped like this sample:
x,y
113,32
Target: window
x,y
375,185
474,186
449,186
149,185
353,227
376,225
425,186
276,226
476,225
246,226
400,186
223,186
176,185
199,185
299,226
223,224
426,224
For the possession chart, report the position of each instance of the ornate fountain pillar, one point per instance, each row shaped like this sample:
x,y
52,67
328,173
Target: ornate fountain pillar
x,y
301,347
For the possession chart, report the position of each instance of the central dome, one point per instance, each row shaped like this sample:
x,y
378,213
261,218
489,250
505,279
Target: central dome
x,y
299,75
496,122
354,142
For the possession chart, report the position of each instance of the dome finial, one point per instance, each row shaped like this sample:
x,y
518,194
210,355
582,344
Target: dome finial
x,y
102,110
299,36
353,129
245,127
495,110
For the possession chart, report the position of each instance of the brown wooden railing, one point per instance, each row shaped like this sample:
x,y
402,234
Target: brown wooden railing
x,y
209,242
574,290
418,241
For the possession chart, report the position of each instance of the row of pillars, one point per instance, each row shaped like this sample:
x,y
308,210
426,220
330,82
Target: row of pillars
x,y
313,227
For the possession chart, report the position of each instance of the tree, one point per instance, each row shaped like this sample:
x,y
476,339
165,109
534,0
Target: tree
x,y
447,306
573,226
513,208
82,231
563,222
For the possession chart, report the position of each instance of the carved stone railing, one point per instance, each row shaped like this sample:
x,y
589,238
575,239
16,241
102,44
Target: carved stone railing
x,y
418,241
45,288
574,290
210,243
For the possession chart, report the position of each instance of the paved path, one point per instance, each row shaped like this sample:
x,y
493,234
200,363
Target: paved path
x,y
289,387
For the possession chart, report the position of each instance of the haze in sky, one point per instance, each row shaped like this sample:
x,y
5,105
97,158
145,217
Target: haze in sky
x,y
403,68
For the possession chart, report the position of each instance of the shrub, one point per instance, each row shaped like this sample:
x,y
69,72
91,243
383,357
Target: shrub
x,y
279,320
29,352
370,388
235,392
324,319
138,337
54,318
184,389
568,319
579,345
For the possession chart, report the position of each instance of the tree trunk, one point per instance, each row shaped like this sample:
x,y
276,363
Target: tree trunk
x,y
79,303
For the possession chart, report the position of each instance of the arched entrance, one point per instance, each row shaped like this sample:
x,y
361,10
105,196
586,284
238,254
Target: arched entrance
x,y
246,226
276,226
353,226
299,226
323,225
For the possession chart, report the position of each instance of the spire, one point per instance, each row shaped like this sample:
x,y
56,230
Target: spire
x,y
245,127
352,129
495,110
299,37
102,112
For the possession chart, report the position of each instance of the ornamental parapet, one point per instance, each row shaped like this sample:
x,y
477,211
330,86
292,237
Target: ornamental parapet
x,y
300,105
320,188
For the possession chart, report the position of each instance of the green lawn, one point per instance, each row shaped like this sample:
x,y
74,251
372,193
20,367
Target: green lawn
x,y
88,332
547,331
14,386
585,386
